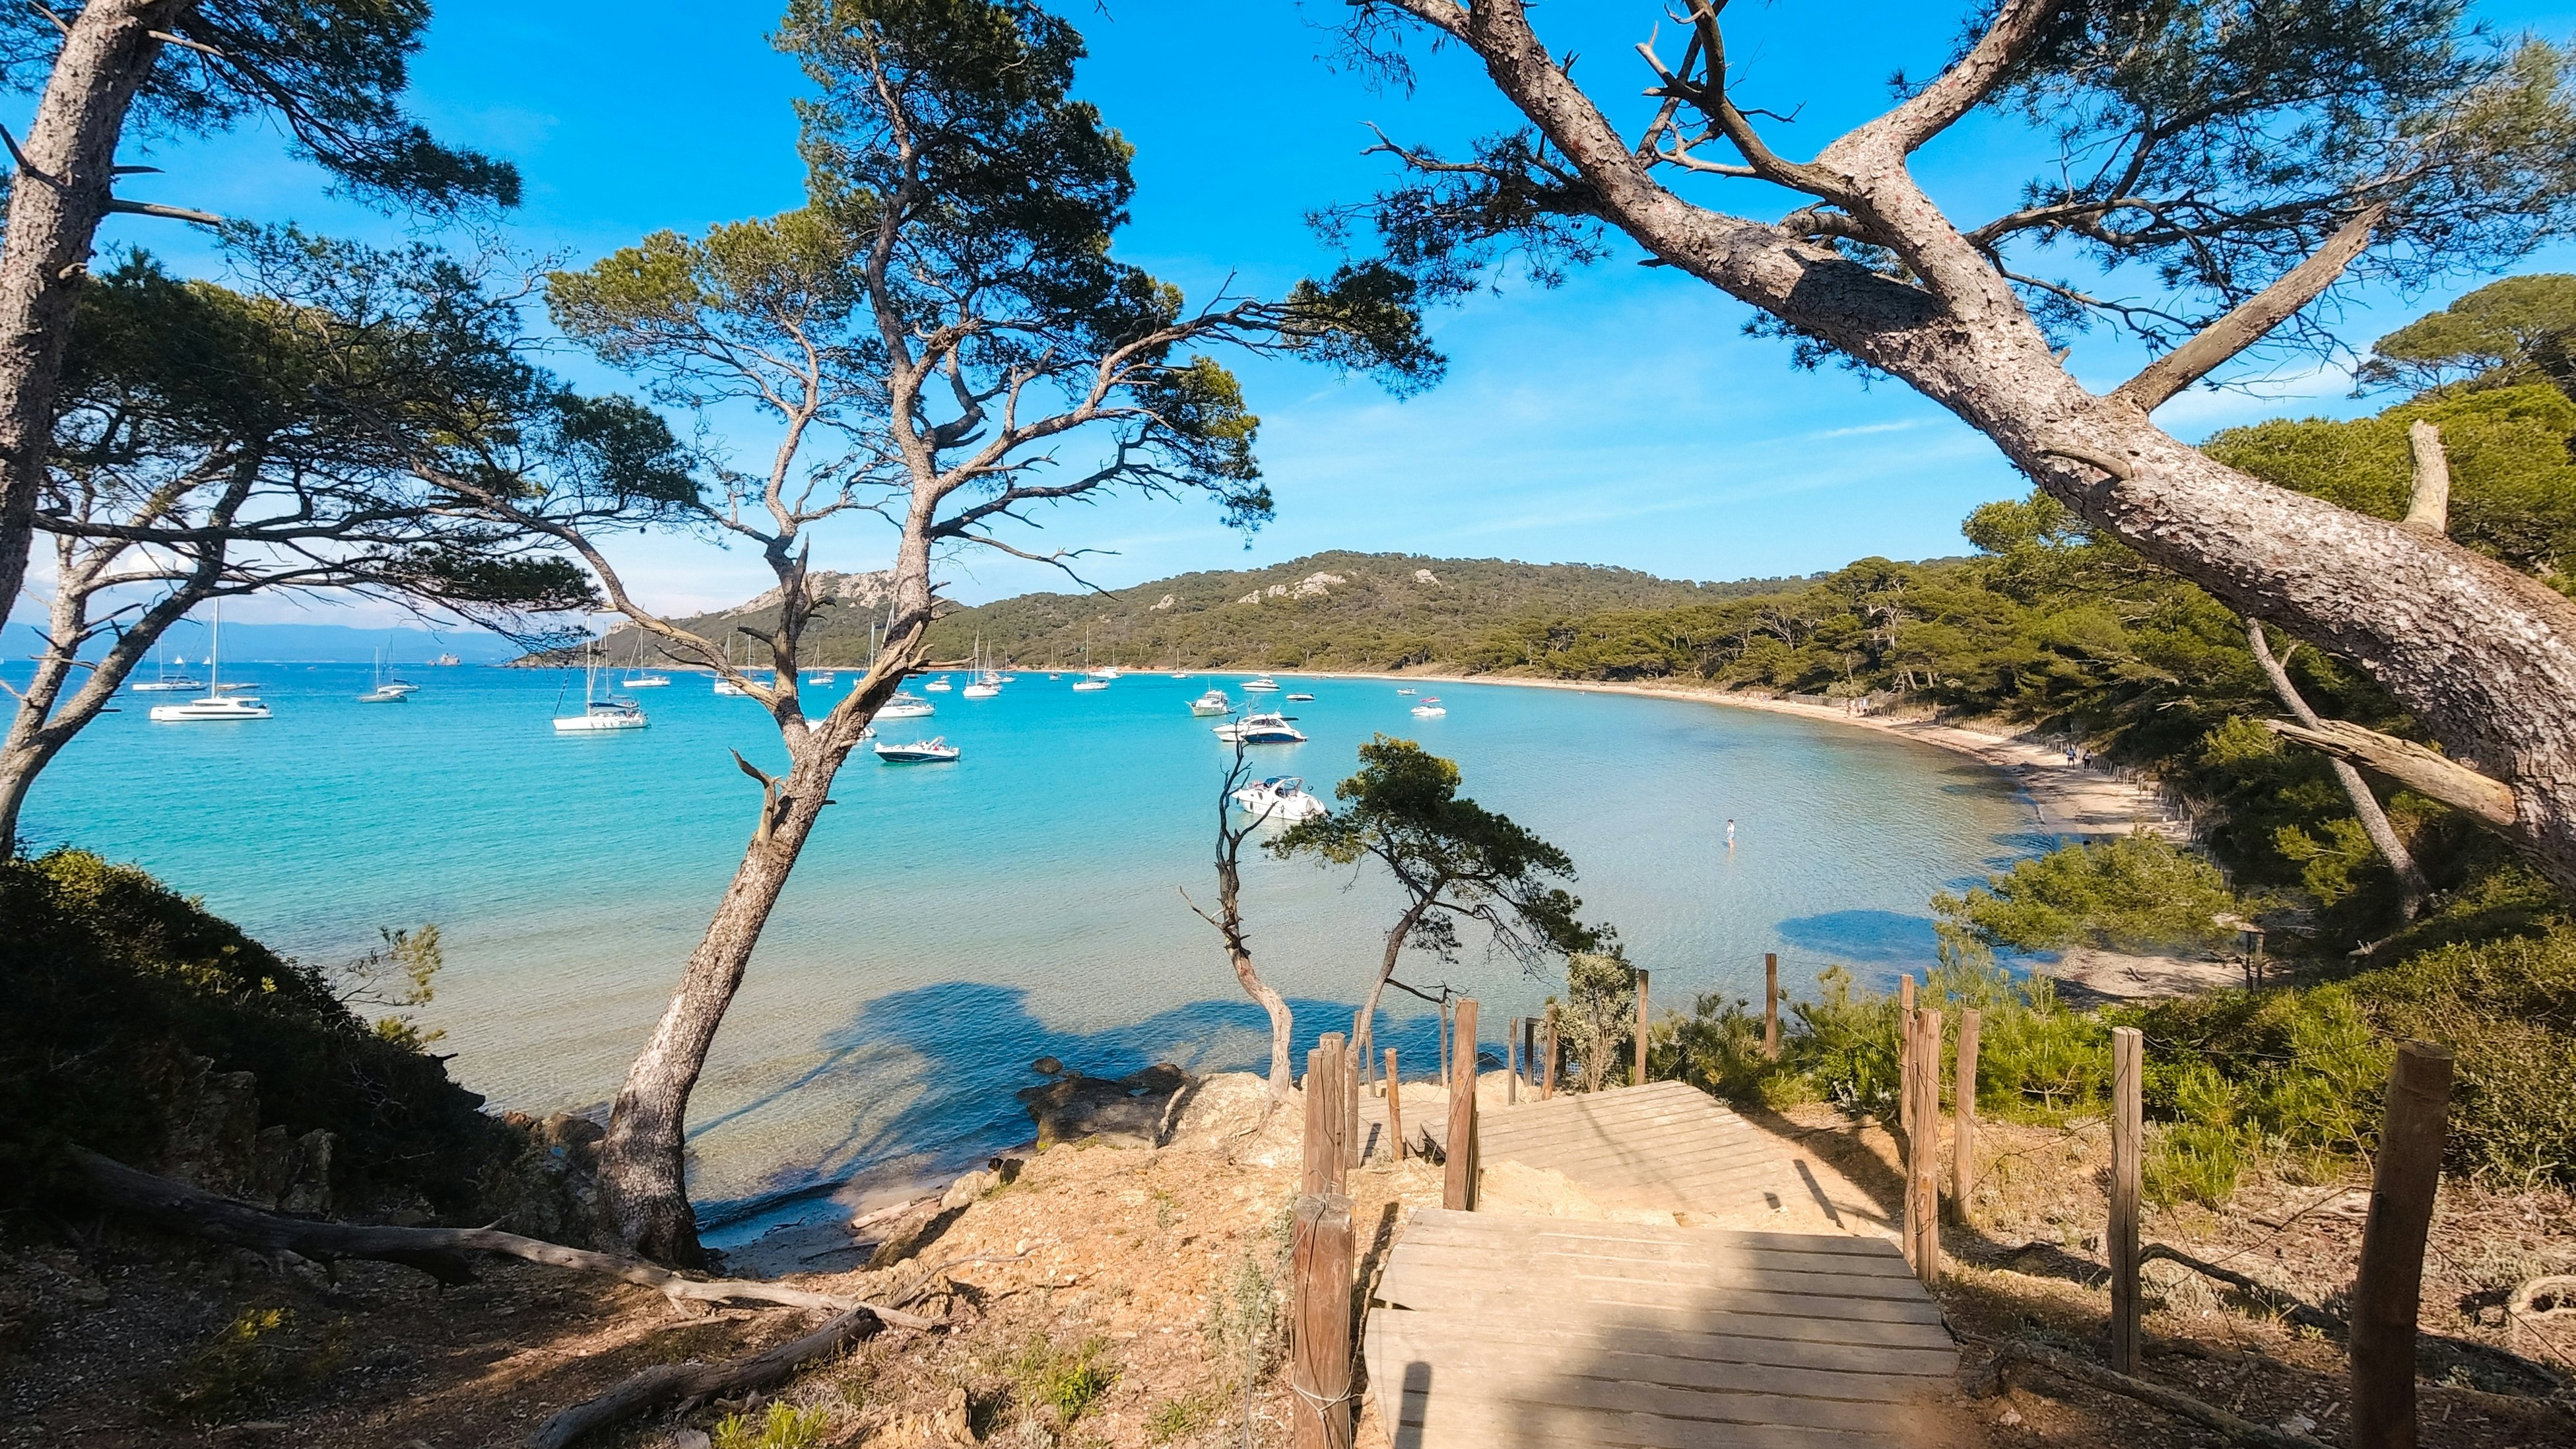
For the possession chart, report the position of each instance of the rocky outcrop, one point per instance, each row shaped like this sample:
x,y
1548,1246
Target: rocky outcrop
x,y
214,1139
1123,1111
551,1189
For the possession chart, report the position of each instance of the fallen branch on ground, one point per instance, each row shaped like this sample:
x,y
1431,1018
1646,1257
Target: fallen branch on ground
x,y
2280,1301
439,1252
2172,1401
2558,1288
684,1384
681,1382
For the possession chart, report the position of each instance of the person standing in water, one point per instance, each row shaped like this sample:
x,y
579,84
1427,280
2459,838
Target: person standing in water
x,y
1730,834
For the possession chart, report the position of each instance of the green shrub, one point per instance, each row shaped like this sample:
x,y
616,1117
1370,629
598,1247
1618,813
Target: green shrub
x,y
2137,893
2188,1162
111,978
1179,1418
1718,1049
784,1427
1065,1382
1845,1043
264,1357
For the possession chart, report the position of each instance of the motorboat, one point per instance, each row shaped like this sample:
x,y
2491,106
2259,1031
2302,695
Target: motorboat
x,y
1298,697
727,686
1261,684
821,676
1054,674
220,702
935,751
1177,675
1260,729
938,686
1404,691
1282,798
599,714
906,706
1212,702
1429,708
1088,682
645,681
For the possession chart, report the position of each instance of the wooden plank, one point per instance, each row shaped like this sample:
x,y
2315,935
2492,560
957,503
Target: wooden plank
x,y
1435,1341
1457,1425
1804,1316
1628,1132
1505,1227
1671,1259
1571,1387
1682,1341
1589,1412
1574,1273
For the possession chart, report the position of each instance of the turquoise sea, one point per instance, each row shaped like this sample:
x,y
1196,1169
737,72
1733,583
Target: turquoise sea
x,y
950,923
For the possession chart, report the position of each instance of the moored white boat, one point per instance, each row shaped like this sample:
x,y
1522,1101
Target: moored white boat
x,y
821,676
1429,708
1260,729
905,706
938,686
645,681
1282,798
599,714
219,703
1211,703
1261,684
1089,683
934,751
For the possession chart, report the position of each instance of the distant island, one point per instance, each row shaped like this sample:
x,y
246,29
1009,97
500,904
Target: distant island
x,y
1337,610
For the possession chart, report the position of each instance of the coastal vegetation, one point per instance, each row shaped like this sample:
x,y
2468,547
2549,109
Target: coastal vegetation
x,y
1455,862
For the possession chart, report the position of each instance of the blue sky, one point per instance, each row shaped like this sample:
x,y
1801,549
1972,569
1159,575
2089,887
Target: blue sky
x,y
1621,419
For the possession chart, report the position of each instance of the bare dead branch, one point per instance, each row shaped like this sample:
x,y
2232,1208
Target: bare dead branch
x,y
2409,764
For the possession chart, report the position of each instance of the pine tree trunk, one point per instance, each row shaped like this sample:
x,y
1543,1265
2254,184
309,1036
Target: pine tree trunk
x,y
55,203
642,1170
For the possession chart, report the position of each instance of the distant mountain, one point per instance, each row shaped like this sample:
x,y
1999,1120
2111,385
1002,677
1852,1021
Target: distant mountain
x,y
300,643
1326,611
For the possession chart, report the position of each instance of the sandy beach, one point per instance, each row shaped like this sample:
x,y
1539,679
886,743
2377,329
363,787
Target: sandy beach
x,y
2072,800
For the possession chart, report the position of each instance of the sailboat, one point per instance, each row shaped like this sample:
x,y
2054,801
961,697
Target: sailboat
x,y
386,691
639,677
162,681
727,686
986,683
611,713
1092,678
216,704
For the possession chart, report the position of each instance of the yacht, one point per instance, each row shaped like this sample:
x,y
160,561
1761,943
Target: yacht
x,y
821,676
935,751
1177,675
1261,684
597,714
1260,729
727,686
1429,708
906,706
1297,697
1087,682
1404,691
1282,798
646,680
938,686
1212,702
217,702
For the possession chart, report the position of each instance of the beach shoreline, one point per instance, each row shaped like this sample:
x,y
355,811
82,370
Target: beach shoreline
x,y
2070,800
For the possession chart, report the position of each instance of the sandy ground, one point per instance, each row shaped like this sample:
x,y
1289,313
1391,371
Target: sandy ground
x,y
2073,800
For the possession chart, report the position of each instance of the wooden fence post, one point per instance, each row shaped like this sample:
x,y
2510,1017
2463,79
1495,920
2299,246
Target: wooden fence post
x,y
1458,1187
1325,1077
1395,1107
1444,1039
1512,1062
1354,1073
2389,1291
1771,1005
1319,1406
1547,1084
1905,1056
1923,1149
1529,1053
1643,1032
2128,1130
1963,1112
